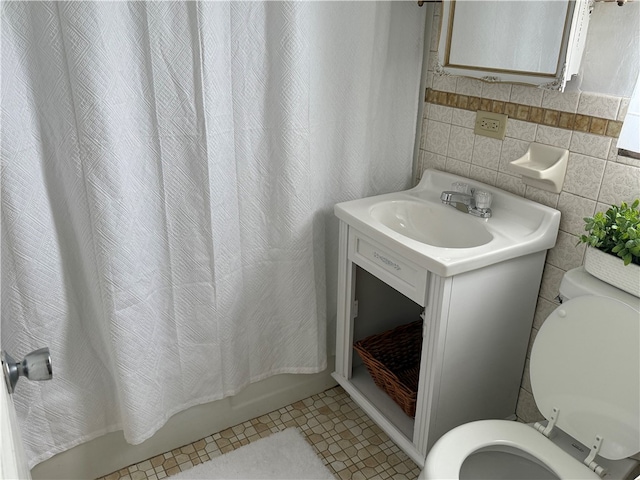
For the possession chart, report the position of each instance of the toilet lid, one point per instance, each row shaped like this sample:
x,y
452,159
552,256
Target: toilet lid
x,y
585,362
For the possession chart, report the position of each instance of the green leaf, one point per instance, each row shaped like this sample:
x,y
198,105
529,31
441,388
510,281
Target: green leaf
x,y
616,231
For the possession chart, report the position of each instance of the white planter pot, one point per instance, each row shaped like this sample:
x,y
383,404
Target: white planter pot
x,y
611,269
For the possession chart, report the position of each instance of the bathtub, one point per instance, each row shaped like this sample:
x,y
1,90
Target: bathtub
x,y
111,452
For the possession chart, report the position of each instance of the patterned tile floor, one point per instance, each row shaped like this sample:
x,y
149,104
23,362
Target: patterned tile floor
x,y
342,435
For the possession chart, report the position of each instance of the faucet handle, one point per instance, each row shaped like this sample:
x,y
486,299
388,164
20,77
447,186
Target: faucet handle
x,y
461,187
483,199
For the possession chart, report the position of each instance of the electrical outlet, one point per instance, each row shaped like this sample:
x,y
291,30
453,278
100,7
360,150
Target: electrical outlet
x,y
490,124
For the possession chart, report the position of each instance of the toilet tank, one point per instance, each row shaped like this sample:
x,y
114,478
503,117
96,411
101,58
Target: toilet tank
x,y
578,282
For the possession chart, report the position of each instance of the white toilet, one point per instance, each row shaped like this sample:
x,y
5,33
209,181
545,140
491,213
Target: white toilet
x,y
585,377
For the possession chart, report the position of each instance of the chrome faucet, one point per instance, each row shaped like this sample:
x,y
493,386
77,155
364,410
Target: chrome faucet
x,y
448,198
477,202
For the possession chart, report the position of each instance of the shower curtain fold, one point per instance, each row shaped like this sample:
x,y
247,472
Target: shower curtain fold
x,y
168,176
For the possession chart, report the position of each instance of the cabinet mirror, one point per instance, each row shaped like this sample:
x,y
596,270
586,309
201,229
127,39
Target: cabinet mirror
x,y
536,42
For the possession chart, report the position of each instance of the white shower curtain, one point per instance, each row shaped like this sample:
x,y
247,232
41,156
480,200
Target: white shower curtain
x,y
168,176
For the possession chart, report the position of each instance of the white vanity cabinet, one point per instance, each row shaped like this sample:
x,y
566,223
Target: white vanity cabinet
x,y
475,335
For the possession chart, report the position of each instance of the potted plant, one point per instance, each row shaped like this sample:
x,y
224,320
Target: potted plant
x,y
614,238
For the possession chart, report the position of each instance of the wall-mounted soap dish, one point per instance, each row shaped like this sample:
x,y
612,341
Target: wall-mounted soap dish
x,y
542,167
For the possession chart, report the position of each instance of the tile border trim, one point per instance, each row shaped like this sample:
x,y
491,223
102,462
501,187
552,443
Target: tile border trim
x,y
544,116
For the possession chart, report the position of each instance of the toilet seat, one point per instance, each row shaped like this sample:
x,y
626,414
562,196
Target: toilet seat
x,y
585,364
449,453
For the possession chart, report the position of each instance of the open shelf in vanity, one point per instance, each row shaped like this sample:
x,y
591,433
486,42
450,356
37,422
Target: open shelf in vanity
x,y
380,309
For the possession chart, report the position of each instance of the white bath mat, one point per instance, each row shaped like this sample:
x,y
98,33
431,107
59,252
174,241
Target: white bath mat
x,y
283,455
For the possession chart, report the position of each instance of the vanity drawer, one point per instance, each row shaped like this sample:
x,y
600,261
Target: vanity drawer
x,y
389,267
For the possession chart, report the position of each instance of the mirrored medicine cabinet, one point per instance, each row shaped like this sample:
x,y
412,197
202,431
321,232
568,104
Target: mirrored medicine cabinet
x,y
534,42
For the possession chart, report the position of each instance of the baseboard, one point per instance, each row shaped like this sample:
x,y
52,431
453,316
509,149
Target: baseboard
x,y
111,452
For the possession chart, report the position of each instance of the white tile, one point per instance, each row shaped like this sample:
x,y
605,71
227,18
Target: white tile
x,y
432,161
551,278
574,209
532,338
622,111
584,175
440,113
433,61
593,145
429,81
602,207
563,101
525,95
623,159
458,167
553,136
483,175
469,86
496,91
460,143
437,137
510,183
544,308
486,152
544,197
423,133
444,83
526,409
419,168
426,109
621,183
598,105
613,150
464,118
526,377
521,130
512,149
567,252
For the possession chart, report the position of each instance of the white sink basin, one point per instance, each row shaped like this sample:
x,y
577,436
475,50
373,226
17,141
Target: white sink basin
x,y
444,240
431,223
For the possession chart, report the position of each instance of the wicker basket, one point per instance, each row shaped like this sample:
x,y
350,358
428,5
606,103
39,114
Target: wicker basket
x,y
393,361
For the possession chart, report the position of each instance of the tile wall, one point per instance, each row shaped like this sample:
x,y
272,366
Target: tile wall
x,y
585,123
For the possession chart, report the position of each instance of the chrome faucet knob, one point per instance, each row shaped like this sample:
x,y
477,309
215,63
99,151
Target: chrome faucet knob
x,y
461,187
483,199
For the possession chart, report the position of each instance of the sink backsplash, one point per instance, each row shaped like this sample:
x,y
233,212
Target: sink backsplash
x,y
586,124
